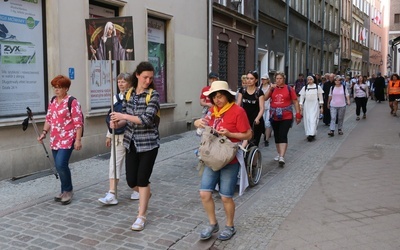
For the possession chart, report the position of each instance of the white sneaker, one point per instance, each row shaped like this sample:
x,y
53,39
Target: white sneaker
x,y
135,195
276,158
281,161
109,199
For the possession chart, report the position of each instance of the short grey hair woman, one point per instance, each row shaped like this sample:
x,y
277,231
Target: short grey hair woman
x,y
339,97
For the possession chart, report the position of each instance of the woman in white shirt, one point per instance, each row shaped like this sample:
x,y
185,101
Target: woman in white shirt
x,y
361,91
265,81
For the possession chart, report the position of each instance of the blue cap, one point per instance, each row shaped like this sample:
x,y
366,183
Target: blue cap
x,y
213,75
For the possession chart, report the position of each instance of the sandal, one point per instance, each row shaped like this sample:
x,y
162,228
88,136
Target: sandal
x,y
331,133
340,132
138,225
227,233
207,232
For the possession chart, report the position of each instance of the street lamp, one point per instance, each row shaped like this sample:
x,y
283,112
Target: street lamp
x,y
236,3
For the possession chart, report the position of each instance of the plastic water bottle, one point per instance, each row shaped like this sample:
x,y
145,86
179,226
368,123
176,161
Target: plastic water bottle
x,y
199,131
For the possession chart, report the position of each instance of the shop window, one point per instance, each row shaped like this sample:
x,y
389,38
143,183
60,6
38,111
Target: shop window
x,y
156,40
23,76
99,76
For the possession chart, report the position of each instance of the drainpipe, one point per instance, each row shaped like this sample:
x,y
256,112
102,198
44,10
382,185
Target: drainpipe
x,y
308,39
340,37
210,47
287,42
256,41
322,36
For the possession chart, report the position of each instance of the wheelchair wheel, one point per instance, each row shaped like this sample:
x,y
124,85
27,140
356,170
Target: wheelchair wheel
x,y
253,165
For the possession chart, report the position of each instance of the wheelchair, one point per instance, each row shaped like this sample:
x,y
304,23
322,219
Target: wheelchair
x,y
253,161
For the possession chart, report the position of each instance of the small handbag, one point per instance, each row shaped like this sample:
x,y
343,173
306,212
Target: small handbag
x,y
216,151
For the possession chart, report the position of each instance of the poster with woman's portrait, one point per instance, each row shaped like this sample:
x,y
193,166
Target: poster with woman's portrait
x,y
105,35
113,35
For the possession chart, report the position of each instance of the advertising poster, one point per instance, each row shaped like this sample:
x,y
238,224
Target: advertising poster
x,y
106,35
21,57
100,86
156,44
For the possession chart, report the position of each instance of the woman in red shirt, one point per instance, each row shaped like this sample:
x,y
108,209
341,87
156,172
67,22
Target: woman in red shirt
x,y
281,112
230,120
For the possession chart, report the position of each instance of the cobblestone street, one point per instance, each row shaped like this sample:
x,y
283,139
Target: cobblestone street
x,y
331,189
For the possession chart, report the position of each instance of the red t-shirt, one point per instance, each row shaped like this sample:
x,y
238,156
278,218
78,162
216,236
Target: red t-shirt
x,y
281,98
206,88
235,120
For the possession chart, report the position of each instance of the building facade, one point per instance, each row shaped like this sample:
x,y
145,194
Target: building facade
x,y
393,56
175,41
368,38
230,37
233,38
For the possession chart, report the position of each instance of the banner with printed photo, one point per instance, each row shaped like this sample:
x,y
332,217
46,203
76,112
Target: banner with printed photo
x,y
110,34
113,34
21,58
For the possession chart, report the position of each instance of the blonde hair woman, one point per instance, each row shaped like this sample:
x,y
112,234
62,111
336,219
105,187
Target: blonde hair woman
x,y
283,98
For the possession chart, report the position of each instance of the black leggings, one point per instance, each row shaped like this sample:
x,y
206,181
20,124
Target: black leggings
x,y
139,166
361,103
258,130
281,130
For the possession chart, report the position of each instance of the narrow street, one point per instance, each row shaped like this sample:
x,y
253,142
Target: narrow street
x,y
334,193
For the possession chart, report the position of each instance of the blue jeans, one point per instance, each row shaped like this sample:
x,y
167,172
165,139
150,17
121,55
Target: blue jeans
x,y
61,160
226,178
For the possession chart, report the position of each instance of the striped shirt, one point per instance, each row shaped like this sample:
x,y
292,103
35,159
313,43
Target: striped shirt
x,y
145,136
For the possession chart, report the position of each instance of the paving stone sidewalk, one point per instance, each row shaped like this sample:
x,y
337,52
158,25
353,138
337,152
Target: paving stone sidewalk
x,y
175,213
334,196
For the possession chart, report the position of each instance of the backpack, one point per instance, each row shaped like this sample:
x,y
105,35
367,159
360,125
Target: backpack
x,y
305,89
117,108
148,97
289,89
70,100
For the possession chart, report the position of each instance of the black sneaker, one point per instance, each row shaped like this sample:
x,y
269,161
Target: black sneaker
x,y
266,143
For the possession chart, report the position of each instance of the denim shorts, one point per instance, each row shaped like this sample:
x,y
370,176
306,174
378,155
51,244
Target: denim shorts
x,y
227,179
